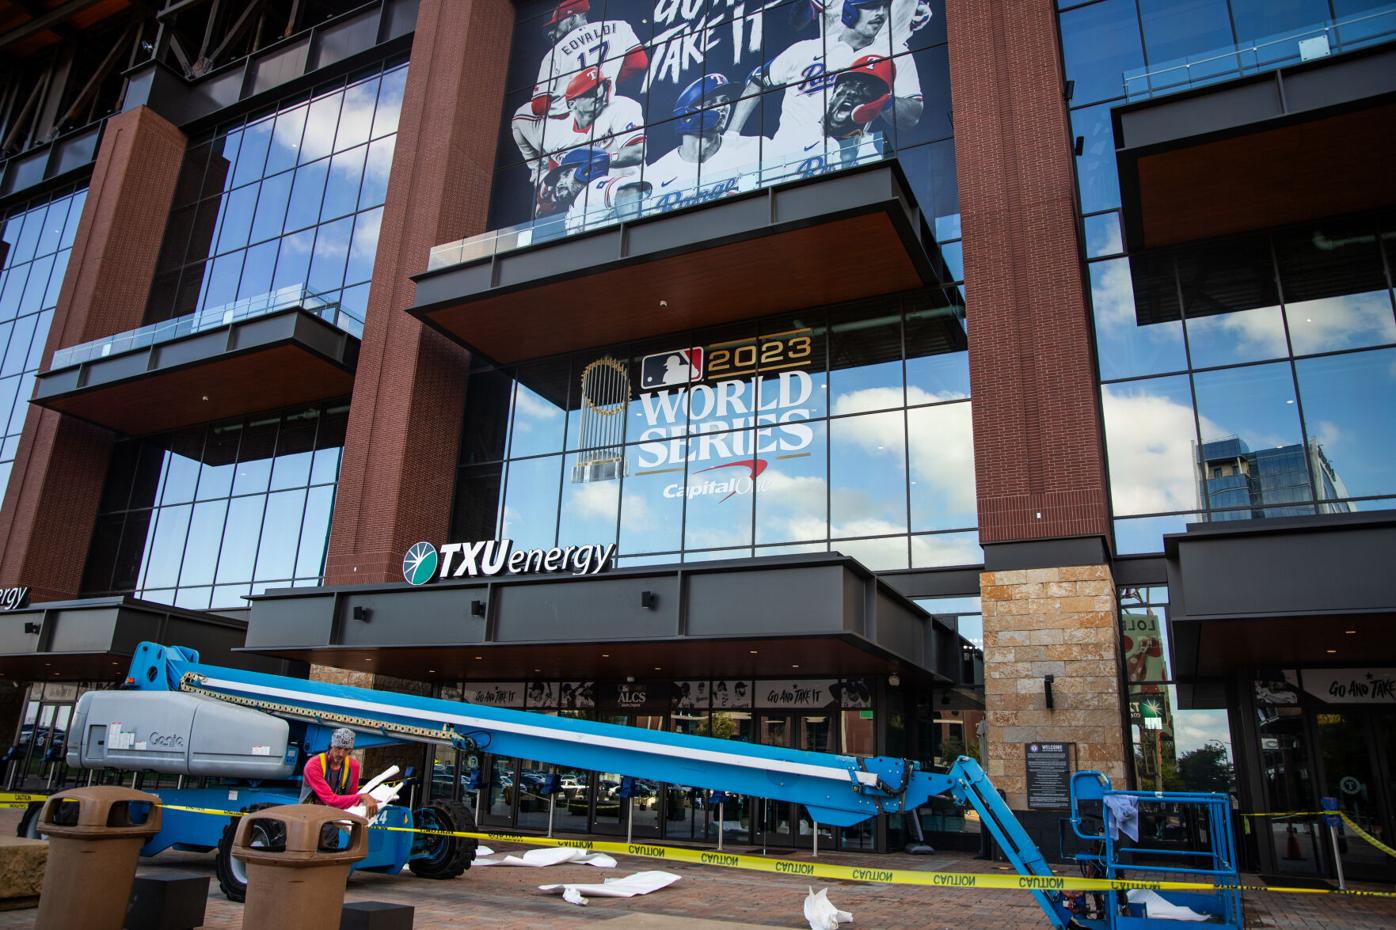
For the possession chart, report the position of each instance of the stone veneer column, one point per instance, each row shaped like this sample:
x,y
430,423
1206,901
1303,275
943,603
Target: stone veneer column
x,y
398,478
1059,622
55,487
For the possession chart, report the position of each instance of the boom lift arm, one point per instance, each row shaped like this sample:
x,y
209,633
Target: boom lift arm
x,y
837,790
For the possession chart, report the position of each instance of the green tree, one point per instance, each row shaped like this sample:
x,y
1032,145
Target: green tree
x,y
1207,768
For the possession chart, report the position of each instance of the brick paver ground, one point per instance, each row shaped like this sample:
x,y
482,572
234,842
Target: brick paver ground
x,y
708,898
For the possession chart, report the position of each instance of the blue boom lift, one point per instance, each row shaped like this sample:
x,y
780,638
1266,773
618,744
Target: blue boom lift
x,y
252,731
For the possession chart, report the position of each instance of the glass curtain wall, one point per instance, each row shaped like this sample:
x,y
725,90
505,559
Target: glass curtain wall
x,y
843,428
202,517
36,239
283,198
1247,377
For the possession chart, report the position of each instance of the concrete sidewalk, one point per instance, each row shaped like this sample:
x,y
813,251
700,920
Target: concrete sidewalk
x,y
708,898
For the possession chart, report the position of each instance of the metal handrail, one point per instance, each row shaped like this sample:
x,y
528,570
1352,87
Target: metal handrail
x,y
1261,55
296,295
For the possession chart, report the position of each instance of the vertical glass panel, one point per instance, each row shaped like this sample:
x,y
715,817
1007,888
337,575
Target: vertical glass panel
x,y
294,445
240,536
167,548
487,413
865,359
307,190
285,140
540,402
236,222
1190,32
376,170
270,215
478,503
1252,455
364,246
1151,440
1103,236
16,348
222,284
356,118
293,260
792,492
320,125
342,189
937,356
1096,176
101,555
329,443
1137,326
281,525
315,533
331,253
1100,43
220,454
254,456
590,497
182,466
942,467
1335,288
135,541
385,117
721,480
257,270
530,503
867,475
1231,302
652,495
1350,411
939,550
256,139
883,554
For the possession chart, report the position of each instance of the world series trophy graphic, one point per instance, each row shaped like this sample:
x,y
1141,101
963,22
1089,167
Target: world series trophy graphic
x,y
605,392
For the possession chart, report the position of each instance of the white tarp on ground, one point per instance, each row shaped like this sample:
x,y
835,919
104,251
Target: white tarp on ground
x,y
553,855
821,912
1160,908
626,887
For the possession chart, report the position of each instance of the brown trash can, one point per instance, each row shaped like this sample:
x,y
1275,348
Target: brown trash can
x,y
298,858
94,839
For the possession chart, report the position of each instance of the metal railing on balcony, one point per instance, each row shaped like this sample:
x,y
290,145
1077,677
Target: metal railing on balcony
x,y
286,298
1329,37
625,197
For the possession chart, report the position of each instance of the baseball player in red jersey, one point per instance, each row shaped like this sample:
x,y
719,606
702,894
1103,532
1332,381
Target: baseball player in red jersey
x,y
610,45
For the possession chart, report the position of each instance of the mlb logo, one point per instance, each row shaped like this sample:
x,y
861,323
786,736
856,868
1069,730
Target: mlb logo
x,y
670,369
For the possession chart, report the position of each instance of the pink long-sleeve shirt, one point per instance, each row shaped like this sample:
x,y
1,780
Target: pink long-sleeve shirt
x,y
315,777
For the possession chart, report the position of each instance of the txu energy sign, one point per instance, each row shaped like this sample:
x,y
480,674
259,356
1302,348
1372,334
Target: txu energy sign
x,y
423,563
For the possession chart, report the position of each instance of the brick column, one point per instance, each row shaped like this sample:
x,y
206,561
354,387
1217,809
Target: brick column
x,y
1058,622
398,478
1037,436
1038,445
55,487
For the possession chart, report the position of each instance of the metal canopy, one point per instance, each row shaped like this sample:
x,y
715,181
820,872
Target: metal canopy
x,y
709,264
93,639
284,359
791,616
1287,146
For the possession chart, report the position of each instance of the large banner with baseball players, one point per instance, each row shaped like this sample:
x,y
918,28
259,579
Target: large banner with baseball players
x,y
622,108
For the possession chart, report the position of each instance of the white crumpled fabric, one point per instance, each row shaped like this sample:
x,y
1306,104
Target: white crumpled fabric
x,y
821,913
1158,907
627,887
553,855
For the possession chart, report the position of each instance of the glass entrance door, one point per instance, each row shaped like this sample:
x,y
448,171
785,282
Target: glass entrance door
x,y
1355,750
778,819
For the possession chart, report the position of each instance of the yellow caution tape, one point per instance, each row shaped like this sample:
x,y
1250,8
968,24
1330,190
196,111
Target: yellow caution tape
x,y
19,799
962,880
1367,836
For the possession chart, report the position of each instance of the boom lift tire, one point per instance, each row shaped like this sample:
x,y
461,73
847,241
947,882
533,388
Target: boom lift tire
x,y
231,876
443,856
29,822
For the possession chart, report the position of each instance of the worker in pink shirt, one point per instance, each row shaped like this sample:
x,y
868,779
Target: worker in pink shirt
x,y
332,777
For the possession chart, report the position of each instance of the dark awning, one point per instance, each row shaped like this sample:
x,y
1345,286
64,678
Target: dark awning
x,y
93,639
1288,146
833,238
283,359
1282,592
792,616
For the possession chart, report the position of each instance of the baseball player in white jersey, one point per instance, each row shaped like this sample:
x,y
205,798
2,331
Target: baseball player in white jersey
x,y
807,67
707,163
612,124
845,135
610,45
